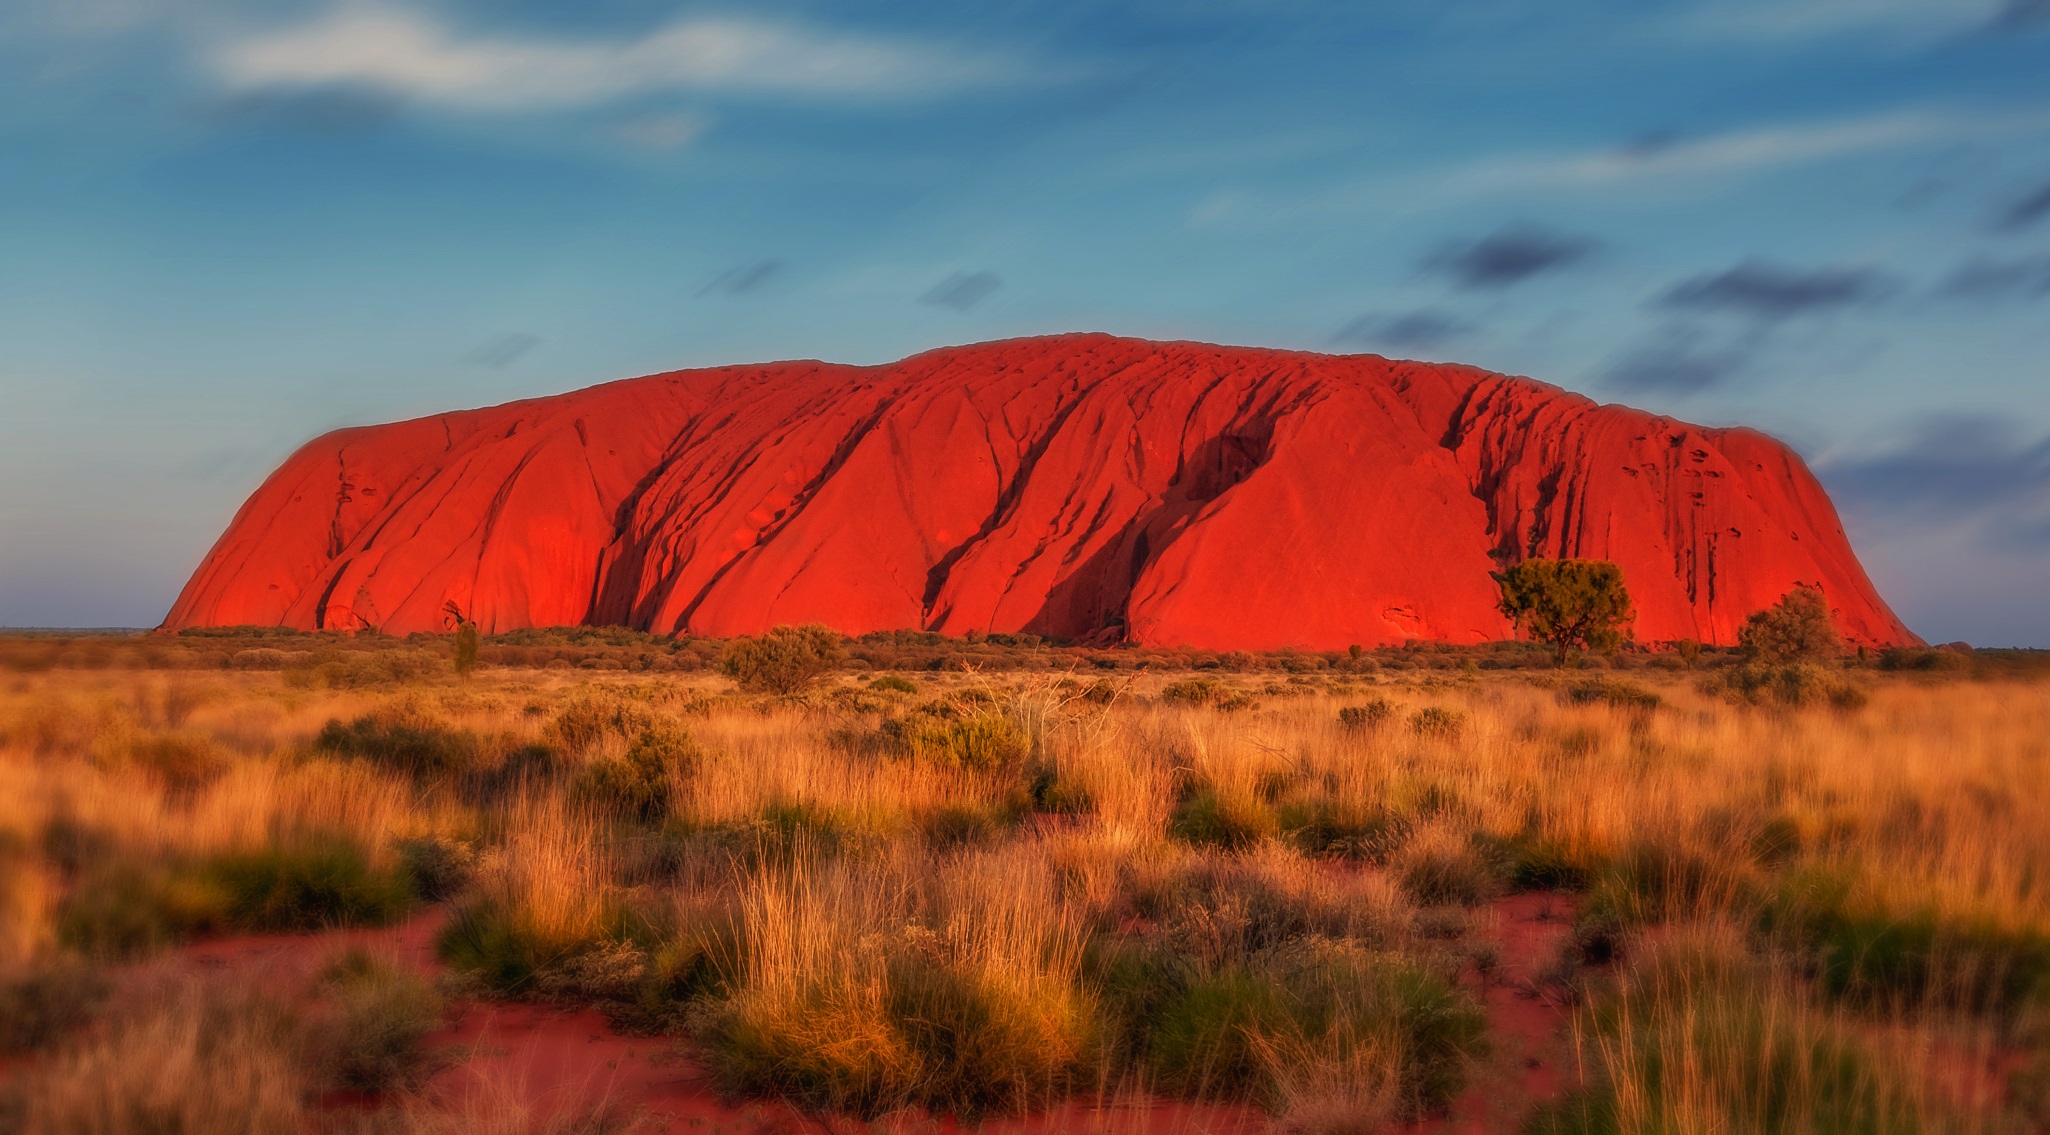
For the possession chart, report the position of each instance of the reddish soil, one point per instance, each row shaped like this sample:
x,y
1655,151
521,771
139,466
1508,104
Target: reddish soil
x,y
1530,1060
551,1058
1079,486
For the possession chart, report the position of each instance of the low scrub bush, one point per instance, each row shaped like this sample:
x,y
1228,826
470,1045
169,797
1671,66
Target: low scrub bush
x,y
404,739
437,867
785,660
122,908
1788,685
1368,715
590,718
1540,862
1439,722
1863,948
1220,912
859,996
637,786
1611,692
546,896
1323,826
41,1001
1193,691
1438,865
1214,817
1320,1029
309,883
1698,1036
511,952
981,739
377,1016
190,1060
182,761
1673,880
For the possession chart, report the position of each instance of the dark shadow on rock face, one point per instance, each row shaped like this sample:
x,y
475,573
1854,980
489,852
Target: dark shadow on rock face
x,y
1091,601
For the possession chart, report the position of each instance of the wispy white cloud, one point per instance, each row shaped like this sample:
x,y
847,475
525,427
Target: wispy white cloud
x,y
1787,21
1731,152
669,131
1661,164
411,54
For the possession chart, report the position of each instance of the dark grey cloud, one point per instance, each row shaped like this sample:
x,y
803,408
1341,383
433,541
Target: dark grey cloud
x,y
503,351
1507,256
962,290
1767,292
1681,359
1406,331
1961,468
743,278
1988,278
2022,15
319,111
2027,211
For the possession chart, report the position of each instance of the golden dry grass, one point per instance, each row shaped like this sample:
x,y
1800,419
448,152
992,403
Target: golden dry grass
x,y
863,923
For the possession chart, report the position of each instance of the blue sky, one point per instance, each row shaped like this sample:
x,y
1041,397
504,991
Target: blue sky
x,y
228,226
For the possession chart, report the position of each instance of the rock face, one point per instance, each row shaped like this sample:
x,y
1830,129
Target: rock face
x,y
1082,487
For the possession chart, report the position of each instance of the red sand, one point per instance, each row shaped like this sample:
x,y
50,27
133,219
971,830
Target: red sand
x,y
1081,486
1529,1061
551,1059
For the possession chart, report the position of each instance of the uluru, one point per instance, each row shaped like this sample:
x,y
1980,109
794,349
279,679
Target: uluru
x,y
1080,487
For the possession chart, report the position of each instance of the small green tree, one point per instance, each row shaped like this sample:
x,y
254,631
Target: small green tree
x,y
1568,603
1795,629
466,638
785,660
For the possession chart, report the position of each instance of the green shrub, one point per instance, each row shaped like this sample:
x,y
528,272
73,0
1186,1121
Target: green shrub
x,y
1208,817
637,786
1336,827
985,739
505,950
1572,604
1193,691
438,868
1923,658
1203,1042
378,1015
1370,715
590,718
1794,630
1265,1033
310,883
933,1035
956,825
1437,866
182,761
1697,1029
1437,721
1538,863
893,684
1051,792
45,999
785,660
1791,685
403,739
120,908
1867,952
1612,692
1671,880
